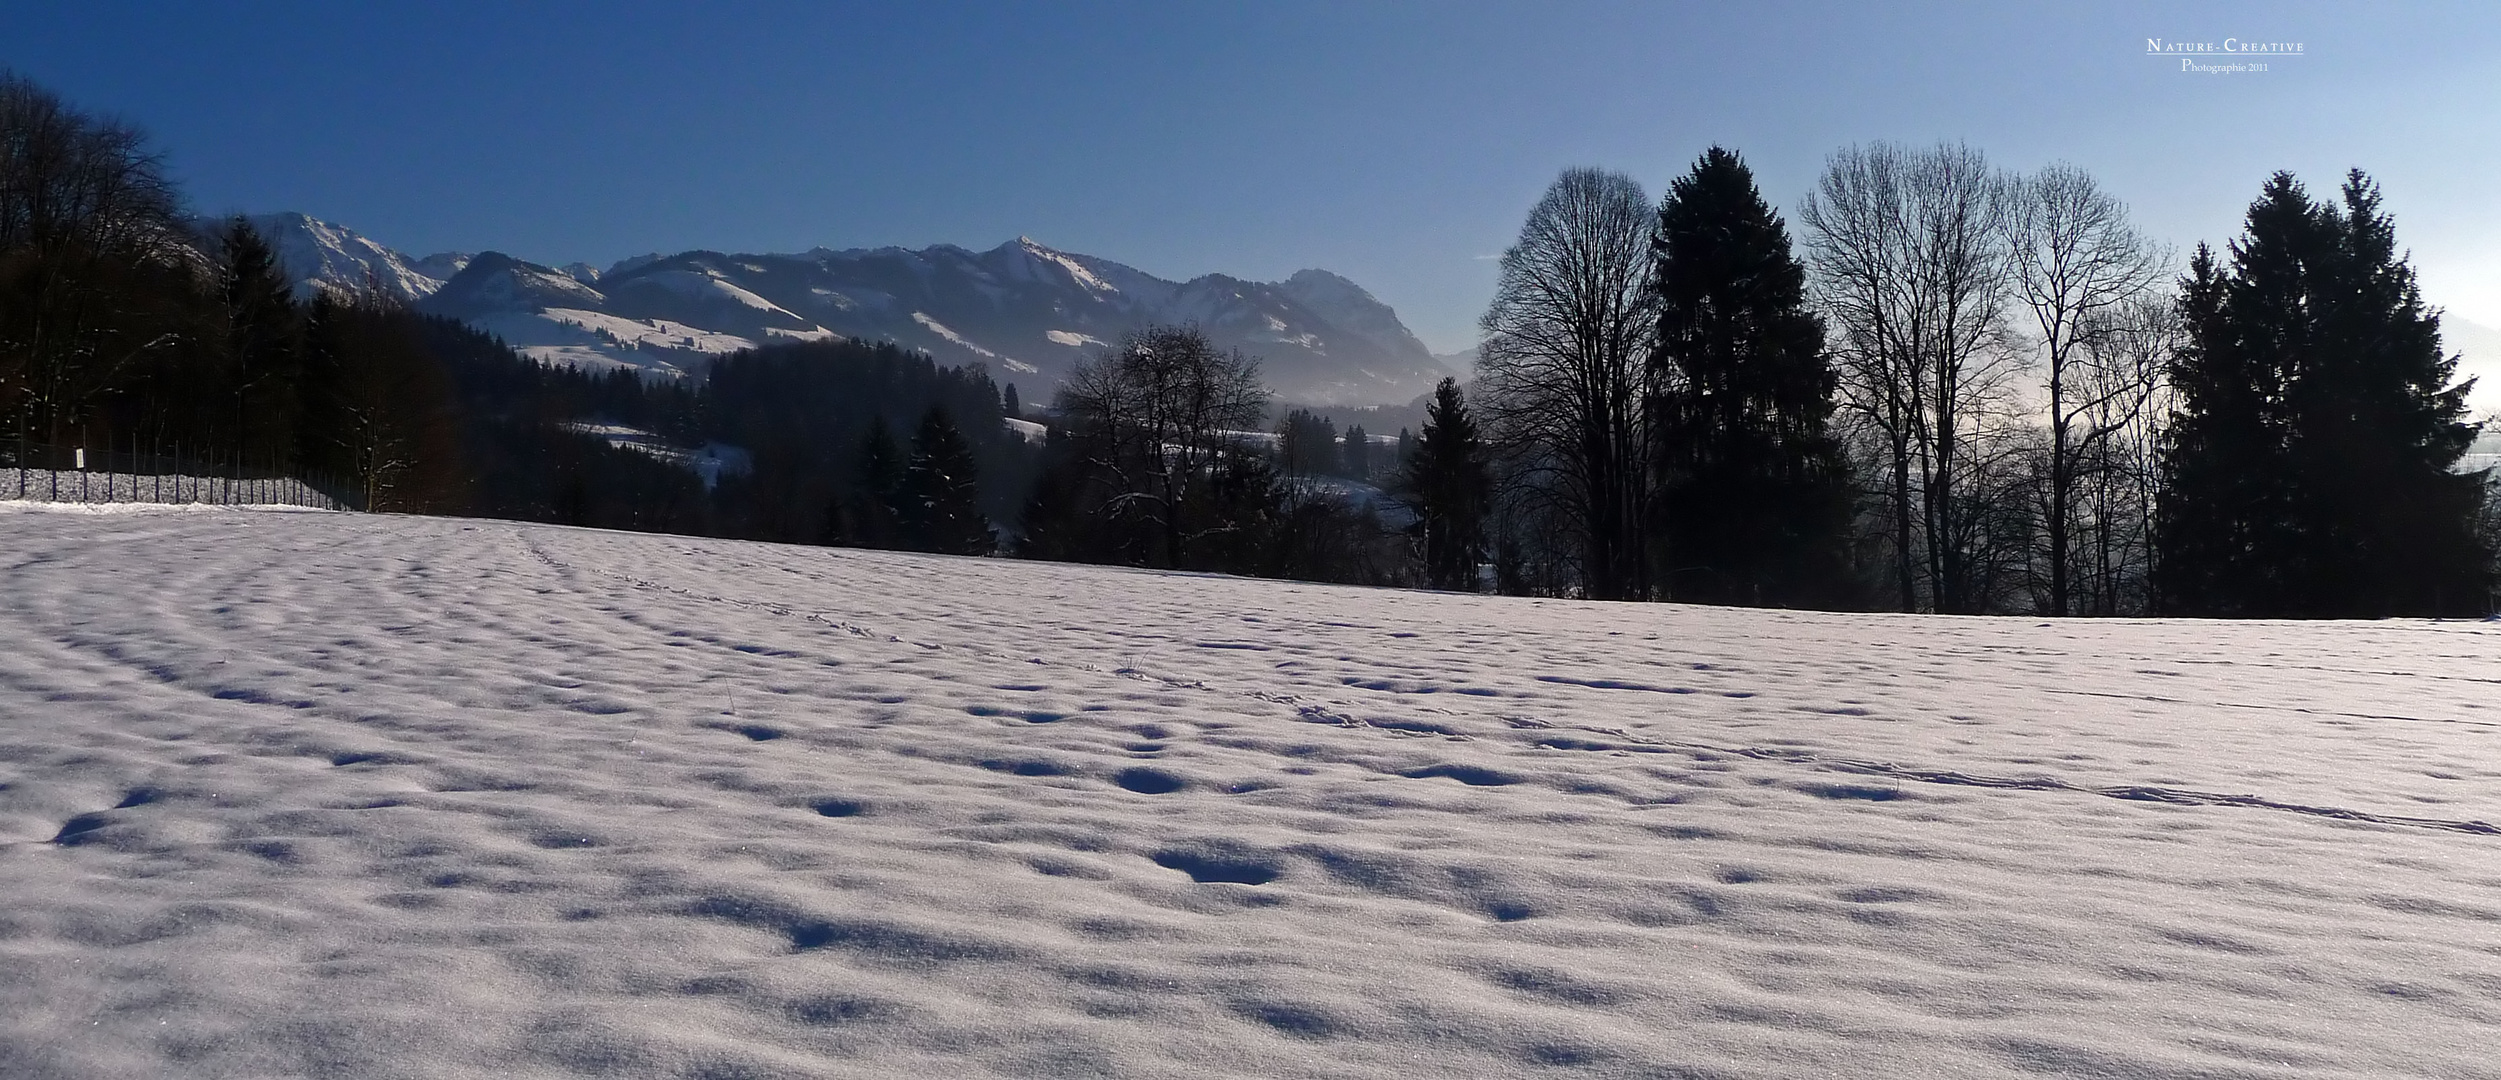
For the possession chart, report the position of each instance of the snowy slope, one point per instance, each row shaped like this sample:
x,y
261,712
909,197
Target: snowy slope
x,y
558,317
322,794
1025,310
317,253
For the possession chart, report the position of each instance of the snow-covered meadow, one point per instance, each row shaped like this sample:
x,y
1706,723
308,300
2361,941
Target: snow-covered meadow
x,y
314,794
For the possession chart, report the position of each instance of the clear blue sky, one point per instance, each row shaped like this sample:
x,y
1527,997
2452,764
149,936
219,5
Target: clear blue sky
x,y
1397,143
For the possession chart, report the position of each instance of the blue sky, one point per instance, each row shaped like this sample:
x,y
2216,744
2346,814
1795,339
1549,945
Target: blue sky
x,y
1397,143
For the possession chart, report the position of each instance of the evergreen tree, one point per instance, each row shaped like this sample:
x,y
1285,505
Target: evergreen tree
x,y
1357,457
1307,444
1010,404
1752,487
262,339
1451,485
871,511
2310,466
941,502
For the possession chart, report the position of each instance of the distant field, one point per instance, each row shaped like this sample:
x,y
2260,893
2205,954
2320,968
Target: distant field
x,y
316,794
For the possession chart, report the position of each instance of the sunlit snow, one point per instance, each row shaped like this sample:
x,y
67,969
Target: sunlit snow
x,y
315,794
710,286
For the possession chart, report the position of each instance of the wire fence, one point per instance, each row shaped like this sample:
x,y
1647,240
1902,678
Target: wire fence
x,y
77,475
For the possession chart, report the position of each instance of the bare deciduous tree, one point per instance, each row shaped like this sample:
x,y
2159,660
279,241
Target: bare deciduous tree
x,y
1162,408
1908,262
2076,267
88,223
1561,370
2124,398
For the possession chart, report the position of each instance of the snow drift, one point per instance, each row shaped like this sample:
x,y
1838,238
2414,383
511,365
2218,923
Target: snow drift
x,y
323,794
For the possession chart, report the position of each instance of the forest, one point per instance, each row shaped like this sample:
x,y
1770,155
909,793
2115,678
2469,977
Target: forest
x,y
1954,389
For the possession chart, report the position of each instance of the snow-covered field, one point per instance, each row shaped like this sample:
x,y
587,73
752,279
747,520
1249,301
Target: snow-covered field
x,y
312,794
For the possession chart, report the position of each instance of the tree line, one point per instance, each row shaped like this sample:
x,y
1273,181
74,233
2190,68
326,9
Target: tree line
x,y
1969,391
127,323
1958,390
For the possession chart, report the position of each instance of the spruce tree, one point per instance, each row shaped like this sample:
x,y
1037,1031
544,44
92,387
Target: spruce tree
x,y
1357,457
2310,465
871,510
1752,487
262,343
1307,444
941,503
1451,485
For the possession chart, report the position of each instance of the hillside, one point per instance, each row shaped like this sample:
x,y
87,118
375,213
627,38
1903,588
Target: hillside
x,y
1026,311
322,794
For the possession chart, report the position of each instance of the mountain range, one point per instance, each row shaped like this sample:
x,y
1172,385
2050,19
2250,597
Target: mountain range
x,y
1027,311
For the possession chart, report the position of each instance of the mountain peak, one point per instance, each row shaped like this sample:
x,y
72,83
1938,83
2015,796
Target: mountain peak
x,y
317,254
1022,308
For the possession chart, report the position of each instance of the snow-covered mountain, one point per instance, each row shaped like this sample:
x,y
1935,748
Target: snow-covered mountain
x,y
317,253
1027,311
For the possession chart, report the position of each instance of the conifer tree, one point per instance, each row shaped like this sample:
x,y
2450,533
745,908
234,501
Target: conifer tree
x,y
1752,485
2310,465
1357,457
1451,485
262,342
1307,444
871,512
941,504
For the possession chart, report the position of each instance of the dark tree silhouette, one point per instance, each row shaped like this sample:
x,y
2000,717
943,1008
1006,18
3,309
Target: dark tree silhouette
x,y
1155,421
868,511
2310,465
941,492
1451,487
261,341
1559,374
1307,444
1753,490
1356,458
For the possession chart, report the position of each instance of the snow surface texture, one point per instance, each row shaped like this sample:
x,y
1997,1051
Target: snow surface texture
x,y
325,794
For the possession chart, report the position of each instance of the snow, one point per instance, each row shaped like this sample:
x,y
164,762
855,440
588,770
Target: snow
x,y
1071,338
599,359
596,341
524,288
1076,271
1031,431
658,333
813,333
319,254
710,286
708,462
941,330
332,794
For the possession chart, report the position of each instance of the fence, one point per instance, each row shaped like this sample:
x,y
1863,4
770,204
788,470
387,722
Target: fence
x,y
74,475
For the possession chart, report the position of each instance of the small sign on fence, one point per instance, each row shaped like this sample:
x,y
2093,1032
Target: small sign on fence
x,y
82,459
